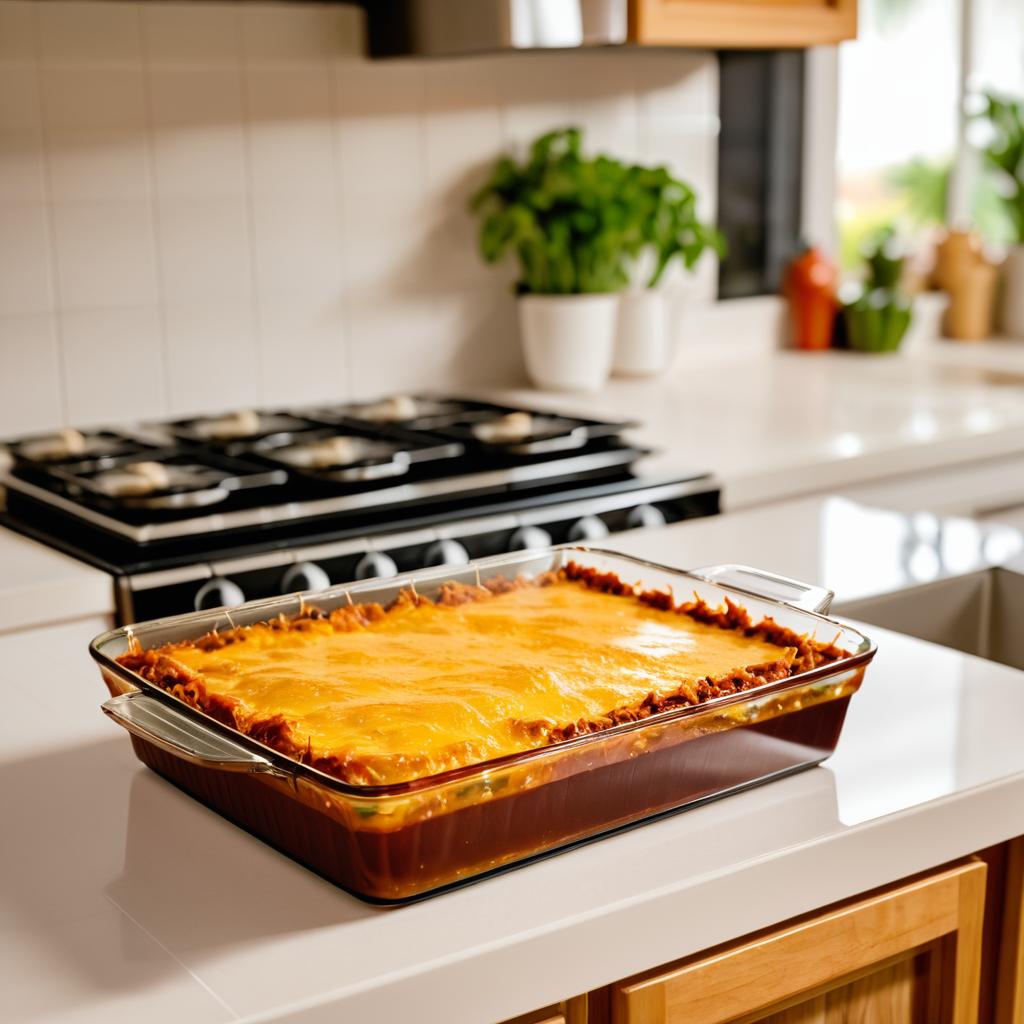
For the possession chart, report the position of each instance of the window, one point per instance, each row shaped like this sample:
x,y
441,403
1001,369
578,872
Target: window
x,y
901,89
759,167
898,95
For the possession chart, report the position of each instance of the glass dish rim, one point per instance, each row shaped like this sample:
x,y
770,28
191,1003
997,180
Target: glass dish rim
x,y
481,769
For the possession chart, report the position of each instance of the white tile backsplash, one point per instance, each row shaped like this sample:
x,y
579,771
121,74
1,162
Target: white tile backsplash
x,y
191,34
88,163
212,360
31,392
25,285
291,142
297,246
210,205
109,358
19,97
21,167
205,251
303,355
89,33
104,254
285,35
99,96
17,33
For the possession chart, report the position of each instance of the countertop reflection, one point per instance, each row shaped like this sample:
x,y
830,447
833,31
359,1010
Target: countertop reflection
x,y
124,899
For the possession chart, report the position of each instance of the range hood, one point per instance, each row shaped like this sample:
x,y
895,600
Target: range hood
x,y
448,28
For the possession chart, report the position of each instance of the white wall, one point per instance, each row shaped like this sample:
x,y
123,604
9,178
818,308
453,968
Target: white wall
x,y
206,206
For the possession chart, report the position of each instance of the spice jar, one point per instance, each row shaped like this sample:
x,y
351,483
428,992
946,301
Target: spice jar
x,y
810,285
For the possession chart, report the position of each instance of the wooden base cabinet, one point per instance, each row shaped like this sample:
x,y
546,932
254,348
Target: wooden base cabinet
x,y
905,955
932,949
1008,999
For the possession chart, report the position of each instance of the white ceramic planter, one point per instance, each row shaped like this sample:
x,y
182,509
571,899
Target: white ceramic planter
x,y
1012,313
568,340
644,343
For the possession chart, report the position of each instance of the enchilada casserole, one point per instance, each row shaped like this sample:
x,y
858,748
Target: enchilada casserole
x,y
376,695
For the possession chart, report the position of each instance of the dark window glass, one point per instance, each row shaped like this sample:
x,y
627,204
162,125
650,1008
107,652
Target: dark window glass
x,y
759,167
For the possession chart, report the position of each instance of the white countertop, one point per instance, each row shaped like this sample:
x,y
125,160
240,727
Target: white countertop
x,y
771,425
855,550
124,900
776,424
39,585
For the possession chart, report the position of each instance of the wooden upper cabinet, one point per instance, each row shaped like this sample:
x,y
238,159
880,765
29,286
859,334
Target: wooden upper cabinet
x,y
738,24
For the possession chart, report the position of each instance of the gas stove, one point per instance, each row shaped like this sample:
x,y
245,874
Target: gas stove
x,y
207,511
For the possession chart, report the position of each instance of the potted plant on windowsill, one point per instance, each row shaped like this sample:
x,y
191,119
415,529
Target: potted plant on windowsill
x,y
670,230
1005,155
571,223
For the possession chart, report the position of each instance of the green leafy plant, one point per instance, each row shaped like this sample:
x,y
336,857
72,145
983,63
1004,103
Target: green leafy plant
x,y
577,224
1005,154
669,225
877,313
923,187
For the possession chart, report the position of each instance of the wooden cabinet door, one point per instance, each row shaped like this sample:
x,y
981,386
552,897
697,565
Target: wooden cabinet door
x,y
729,24
1010,990
906,955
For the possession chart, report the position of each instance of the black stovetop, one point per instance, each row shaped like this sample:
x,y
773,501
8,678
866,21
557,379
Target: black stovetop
x,y
274,479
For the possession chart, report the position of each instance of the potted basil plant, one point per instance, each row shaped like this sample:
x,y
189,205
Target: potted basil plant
x,y
669,230
1005,155
568,221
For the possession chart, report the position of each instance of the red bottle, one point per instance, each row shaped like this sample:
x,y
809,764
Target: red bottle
x,y
810,285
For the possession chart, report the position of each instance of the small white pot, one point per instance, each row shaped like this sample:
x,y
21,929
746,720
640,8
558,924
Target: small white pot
x,y
645,343
568,340
1012,318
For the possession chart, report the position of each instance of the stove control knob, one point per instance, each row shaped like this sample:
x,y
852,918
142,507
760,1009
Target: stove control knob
x,y
645,515
588,528
304,576
375,563
526,538
218,592
446,552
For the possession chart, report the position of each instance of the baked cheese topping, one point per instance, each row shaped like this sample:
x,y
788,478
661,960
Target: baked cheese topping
x,y
429,686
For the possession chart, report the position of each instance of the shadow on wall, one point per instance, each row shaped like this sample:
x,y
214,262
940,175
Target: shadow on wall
x,y
227,186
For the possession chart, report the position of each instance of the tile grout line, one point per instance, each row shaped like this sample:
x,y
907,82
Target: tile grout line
x,y
159,266
51,227
338,192
181,963
256,308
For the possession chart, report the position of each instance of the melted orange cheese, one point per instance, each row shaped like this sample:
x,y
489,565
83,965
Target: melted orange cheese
x,y
436,685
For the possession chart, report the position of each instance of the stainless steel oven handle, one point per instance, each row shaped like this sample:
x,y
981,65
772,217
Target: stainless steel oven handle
x,y
805,596
170,730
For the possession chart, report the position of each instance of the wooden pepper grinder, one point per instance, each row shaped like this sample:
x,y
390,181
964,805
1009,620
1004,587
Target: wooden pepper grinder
x,y
963,272
810,285
972,302
957,251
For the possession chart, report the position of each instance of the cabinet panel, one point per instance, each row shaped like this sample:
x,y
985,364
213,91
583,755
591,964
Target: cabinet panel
x,y
1010,985
886,996
813,1011
911,952
725,24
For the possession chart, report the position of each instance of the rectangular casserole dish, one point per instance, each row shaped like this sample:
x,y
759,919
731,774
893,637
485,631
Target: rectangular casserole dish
x,y
391,843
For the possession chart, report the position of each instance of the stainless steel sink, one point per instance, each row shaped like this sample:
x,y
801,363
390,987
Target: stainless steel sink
x,y
981,613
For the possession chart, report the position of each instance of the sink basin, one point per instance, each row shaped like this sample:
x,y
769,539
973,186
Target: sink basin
x,y
979,613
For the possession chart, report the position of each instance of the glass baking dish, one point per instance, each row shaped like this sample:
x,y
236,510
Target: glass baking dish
x,y
392,843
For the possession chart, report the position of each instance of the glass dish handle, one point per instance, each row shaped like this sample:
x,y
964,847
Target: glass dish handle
x,y
170,730
757,582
